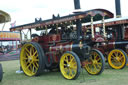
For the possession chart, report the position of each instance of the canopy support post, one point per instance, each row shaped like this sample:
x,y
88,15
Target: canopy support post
x,y
30,33
92,30
20,35
46,32
104,27
3,26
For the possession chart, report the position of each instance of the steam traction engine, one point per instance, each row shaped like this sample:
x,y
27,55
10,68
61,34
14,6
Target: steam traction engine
x,y
62,44
115,48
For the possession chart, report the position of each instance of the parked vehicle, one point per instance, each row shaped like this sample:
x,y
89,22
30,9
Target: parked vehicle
x,y
115,48
62,44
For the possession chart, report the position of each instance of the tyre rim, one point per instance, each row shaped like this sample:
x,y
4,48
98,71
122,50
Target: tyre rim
x,y
127,55
29,59
68,66
116,59
95,65
1,72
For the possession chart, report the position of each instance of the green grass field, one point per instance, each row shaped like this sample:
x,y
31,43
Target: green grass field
x,y
108,77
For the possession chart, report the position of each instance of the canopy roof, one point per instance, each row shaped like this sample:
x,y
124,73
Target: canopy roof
x,y
110,22
4,17
84,16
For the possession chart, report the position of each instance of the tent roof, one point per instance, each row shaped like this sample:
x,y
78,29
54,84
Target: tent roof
x,y
4,17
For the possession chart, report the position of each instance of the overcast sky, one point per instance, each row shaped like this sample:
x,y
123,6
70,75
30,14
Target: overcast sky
x,y
25,11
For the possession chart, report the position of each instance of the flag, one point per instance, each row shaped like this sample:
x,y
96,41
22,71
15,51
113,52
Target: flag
x,y
13,24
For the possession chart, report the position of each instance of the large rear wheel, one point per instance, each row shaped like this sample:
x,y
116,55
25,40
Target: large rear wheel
x,y
70,65
31,59
96,63
117,59
1,73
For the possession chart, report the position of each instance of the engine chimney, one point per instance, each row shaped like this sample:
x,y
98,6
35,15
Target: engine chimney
x,y
118,9
77,4
78,22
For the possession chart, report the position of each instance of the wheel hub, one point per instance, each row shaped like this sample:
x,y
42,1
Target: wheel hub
x,y
68,65
117,58
94,62
29,59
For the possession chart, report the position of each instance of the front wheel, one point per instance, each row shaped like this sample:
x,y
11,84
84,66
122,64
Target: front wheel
x,y
96,63
117,59
70,65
